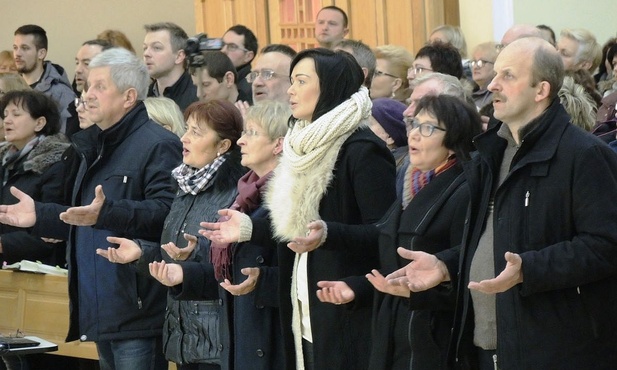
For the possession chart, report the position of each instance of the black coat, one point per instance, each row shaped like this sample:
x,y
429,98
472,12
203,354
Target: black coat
x,y
183,92
38,174
433,221
358,196
554,210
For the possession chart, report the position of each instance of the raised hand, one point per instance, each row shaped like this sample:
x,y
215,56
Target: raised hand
x,y
85,215
127,251
336,292
181,254
509,277
223,232
424,271
311,241
247,285
168,274
20,214
380,283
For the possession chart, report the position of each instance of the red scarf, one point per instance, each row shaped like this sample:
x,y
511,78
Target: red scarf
x,y
248,200
416,180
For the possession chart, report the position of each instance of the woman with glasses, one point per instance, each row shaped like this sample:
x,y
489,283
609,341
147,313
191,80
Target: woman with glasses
x,y
335,180
436,57
484,56
413,332
390,78
195,333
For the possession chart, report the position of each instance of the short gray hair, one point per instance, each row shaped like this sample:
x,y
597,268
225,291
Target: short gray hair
x,y
270,115
127,70
588,48
450,85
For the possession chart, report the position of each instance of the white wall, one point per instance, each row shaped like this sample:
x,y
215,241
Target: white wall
x,y
71,22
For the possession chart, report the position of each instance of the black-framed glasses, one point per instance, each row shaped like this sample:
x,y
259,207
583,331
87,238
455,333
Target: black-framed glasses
x,y
480,63
425,129
382,73
418,70
80,102
265,74
233,47
499,47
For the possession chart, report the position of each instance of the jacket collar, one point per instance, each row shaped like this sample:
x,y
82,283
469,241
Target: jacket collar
x,y
181,85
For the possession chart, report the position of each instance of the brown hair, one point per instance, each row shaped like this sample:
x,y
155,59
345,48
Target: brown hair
x,y
220,115
116,38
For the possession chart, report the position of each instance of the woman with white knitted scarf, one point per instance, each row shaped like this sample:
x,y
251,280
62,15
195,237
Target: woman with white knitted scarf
x,y
334,181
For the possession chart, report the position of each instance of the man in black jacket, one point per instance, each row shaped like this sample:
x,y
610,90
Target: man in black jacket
x,y
538,261
240,45
122,188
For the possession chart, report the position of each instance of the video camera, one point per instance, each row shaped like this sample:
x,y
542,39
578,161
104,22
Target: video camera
x,y
198,43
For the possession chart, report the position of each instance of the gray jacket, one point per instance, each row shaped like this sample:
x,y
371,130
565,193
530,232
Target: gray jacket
x,y
55,84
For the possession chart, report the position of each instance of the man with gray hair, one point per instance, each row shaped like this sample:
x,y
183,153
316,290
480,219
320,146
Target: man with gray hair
x,y
364,56
579,50
166,61
122,188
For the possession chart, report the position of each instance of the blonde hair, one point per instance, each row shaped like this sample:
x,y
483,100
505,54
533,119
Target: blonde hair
x,y
7,56
116,39
400,61
588,47
455,37
270,115
166,113
578,104
13,81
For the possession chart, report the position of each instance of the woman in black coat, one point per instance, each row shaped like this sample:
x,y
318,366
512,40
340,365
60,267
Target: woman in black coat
x,y
429,217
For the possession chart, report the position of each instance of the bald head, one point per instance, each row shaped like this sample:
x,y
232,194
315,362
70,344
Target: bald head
x,y
519,31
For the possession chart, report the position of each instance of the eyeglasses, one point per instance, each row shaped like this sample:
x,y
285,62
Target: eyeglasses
x,y
426,129
265,74
381,73
480,63
2,92
250,133
418,70
82,102
499,47
233,47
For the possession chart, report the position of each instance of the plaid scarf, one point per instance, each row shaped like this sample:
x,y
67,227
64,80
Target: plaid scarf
x,y
415,179
192,180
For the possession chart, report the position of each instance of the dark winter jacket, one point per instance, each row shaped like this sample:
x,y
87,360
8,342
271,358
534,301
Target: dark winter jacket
x,y
197,327
245,89
132,160
183,91
553,210
38,174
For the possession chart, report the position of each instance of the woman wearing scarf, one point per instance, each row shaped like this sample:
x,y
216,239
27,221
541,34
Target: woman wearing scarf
x,y
195,333
31,162
334,182
428,217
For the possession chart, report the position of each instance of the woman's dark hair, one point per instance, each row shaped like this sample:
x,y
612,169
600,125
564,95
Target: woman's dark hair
x,y
220,115
608,45
610,55
444,58
37,105
340,76
461,120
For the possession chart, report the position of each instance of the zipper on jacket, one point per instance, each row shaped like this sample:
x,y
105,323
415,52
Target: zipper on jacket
x,y
139,303
527,199
495,362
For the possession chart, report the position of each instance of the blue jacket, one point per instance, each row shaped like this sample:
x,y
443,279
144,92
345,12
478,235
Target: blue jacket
x,y
132,160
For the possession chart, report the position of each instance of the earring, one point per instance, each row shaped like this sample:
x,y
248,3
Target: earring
x,y
218,154
393,95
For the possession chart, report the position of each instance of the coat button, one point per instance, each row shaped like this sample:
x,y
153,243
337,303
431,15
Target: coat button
x,y
259,259
260,353
83,338
220,347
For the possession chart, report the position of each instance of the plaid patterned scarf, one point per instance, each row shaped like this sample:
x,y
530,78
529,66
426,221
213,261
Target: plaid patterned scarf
x,y
192,180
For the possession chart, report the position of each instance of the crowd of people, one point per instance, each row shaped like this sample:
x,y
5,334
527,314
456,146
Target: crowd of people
x,y
339,207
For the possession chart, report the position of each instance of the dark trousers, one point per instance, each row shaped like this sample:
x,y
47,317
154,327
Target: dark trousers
x,y
309,360
487,359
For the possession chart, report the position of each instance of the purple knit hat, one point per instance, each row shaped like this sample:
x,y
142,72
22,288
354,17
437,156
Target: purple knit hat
x,y
389,114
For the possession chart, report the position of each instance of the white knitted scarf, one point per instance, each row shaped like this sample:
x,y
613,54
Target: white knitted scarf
x,y
306,168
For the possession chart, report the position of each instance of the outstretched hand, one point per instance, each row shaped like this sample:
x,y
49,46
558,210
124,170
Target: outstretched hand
x,y
85,215
223,232
381,284
181,254
311,241
509,277
425,271
247,285
20,214
168,274
127,251
336,292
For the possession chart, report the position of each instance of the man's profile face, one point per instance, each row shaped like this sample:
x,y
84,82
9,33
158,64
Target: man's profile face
x,y
159,56
82,61
568,48
276,87
329,27
25,53
208,87
235,49
105,103
430,87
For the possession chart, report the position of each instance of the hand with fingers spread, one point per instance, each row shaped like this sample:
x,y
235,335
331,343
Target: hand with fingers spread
x,y
336,292
311,241
168,274
381,284
20,214
126,252
85,215
181,254
425,271
508,278
242,106
247,285
223,232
